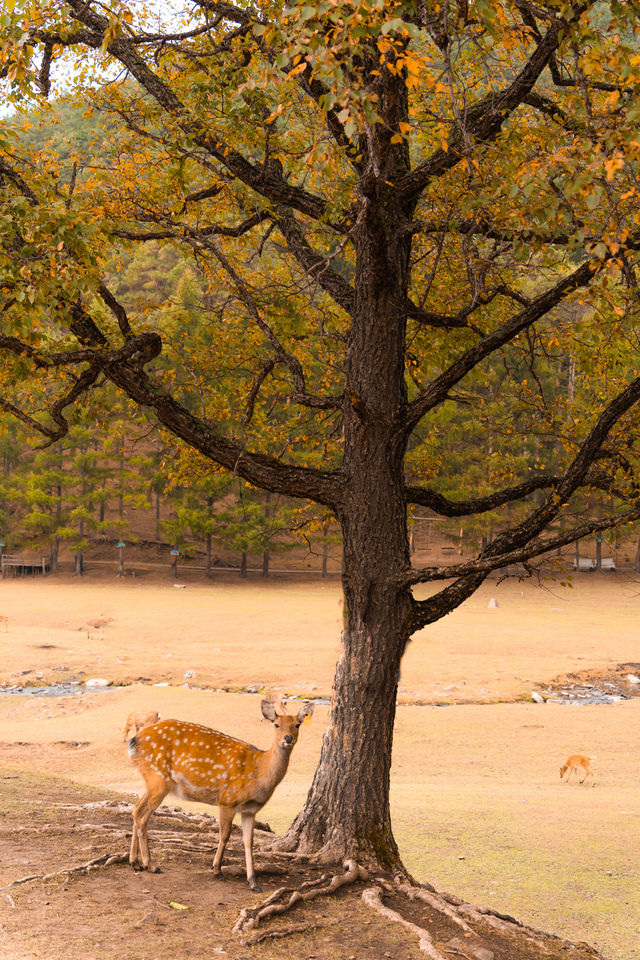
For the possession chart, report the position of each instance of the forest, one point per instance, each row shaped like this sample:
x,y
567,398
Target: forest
x,y
116,476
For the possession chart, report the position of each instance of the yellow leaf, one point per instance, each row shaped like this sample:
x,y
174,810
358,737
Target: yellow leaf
x,y
178,906
276,113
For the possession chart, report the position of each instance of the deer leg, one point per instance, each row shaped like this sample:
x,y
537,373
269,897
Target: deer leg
x,y
134,857
157,790
248,820
225,821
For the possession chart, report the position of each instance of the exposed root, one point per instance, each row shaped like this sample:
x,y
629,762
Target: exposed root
x,y
288,931
285,898
433,899
373,898
106,860
457,911
501,922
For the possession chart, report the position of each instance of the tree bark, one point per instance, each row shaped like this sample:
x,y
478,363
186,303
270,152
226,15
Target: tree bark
x,y
209,558
325,551
347,810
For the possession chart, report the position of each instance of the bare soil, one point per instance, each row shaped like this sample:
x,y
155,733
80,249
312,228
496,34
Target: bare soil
x,y
479,808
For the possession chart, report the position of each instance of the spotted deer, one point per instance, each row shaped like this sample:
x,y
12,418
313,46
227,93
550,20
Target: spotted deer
x,y
198,763
573,762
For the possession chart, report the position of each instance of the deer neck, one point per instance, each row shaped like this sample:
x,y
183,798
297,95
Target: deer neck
x,y
274,763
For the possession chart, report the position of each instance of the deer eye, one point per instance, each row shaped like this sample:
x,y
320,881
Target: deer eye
x,y
277,725
297,725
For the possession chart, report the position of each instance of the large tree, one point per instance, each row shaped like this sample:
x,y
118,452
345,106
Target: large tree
x,y
396,208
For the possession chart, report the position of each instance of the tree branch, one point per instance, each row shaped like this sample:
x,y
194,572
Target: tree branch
x,y
535,548
437,391
484,120
464,508
275,189
289,360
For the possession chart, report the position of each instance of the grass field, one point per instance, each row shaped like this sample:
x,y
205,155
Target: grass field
x,y
478,806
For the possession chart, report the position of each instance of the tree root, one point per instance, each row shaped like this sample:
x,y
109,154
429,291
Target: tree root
x,y
289,931
433,899
373,898
285,898
106,860
458,912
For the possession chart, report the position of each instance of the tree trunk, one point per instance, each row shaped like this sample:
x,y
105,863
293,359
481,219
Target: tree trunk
x,y
207,569
243,564
347,814
325,550
101,507
347,810
121,479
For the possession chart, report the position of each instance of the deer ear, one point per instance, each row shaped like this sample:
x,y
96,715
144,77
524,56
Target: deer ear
x,y
304,710
268,710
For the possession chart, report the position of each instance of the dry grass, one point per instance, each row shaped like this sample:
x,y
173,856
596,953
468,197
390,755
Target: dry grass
x,y
478,805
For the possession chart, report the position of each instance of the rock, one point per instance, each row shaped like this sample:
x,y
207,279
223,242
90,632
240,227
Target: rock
x,y
537,697
467,949
189,674
493,604
633,679
254,688
98,682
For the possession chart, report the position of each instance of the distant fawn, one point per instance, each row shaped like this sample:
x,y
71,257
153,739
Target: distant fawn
x,y
202,764
573,762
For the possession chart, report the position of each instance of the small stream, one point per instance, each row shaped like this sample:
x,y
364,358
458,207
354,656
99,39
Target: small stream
x,y
51,690
612,690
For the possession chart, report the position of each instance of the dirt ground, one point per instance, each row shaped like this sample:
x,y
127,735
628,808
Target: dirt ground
x,y
478,806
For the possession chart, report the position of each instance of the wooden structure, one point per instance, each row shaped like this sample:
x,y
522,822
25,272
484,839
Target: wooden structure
x,y
586,563
12,565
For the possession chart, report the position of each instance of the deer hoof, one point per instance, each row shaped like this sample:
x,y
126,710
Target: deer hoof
x,y
255,887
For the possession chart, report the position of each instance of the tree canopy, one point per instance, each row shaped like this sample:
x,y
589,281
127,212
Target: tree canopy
x,y
416,228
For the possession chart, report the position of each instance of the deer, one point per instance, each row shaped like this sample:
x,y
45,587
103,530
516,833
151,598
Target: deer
x,y
198,763
573,762
97,623
138,721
